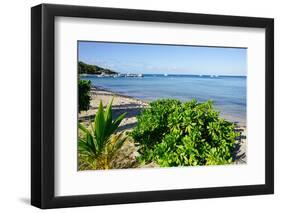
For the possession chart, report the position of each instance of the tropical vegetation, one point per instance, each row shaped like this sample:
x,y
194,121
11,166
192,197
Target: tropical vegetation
x,y
168,133
172,133
84,88
98,144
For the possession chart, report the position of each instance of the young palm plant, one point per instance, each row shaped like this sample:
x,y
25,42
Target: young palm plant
x,y
100,140
107,159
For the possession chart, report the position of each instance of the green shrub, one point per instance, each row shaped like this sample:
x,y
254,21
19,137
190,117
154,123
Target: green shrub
x,y
153,122
84,88
171,133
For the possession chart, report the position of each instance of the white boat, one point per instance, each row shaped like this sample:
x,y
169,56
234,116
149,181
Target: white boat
x,y
133,75
103,74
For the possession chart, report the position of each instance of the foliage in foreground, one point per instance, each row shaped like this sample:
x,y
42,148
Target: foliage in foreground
x,y
98,145
84,88
172,133
112,156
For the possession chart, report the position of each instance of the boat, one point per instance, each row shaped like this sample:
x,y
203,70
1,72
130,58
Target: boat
x,y
103,74
133,75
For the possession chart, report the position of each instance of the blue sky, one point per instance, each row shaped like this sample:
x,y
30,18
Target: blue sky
x,y
159,59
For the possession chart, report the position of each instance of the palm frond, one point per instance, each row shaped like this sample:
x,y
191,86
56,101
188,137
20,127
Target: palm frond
x,y
100,140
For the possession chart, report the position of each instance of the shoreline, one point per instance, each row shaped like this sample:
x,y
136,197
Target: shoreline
x,y
121,103
133,106
96,88
107,92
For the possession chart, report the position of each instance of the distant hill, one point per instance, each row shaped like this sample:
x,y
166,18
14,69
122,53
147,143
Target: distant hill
x,y
84,68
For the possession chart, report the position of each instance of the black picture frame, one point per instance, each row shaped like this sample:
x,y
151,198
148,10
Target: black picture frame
x,y
43,117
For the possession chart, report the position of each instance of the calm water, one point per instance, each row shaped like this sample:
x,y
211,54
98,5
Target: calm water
x,y
228,93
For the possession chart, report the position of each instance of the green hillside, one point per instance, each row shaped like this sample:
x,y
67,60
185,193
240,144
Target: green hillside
x,y
84,68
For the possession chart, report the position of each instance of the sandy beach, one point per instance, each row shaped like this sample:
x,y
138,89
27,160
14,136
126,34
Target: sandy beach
x,y
120,105
133,106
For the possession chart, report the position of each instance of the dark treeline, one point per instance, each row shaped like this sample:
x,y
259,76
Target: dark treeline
x,y
84,68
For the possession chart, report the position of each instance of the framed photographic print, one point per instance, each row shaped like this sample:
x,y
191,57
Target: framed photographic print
x,y
139,106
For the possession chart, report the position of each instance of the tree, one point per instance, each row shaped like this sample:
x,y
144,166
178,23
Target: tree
x,y
84,88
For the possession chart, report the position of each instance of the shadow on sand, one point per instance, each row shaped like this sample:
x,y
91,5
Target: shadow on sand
x,y
131,110
239,152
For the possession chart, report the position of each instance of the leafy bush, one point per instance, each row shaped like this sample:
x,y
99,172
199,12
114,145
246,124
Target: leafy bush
x,y
153,122
84,88
100,142
171,133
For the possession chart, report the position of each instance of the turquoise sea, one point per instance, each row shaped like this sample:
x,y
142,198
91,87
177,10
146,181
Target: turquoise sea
x,y
227,92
